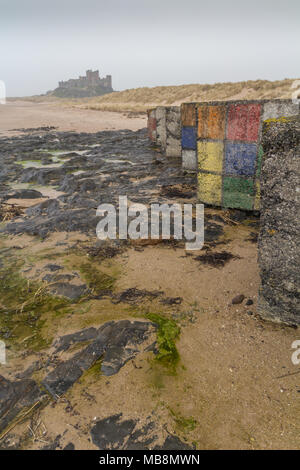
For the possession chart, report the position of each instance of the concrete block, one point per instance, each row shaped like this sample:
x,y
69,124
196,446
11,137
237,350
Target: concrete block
x,y
189,160
161,131
274,110
151,124
188,114
210,188
210,156
279,239
211,122
240,158
173,130
229,149
243,121
188,138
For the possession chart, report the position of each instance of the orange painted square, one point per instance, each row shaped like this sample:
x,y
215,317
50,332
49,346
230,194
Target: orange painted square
x,y
202,121
216,122
211,122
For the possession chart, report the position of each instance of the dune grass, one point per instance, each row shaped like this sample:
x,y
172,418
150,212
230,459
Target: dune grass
x,y
138,100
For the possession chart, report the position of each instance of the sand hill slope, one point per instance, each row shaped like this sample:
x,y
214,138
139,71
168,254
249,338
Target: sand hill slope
x,y
140,99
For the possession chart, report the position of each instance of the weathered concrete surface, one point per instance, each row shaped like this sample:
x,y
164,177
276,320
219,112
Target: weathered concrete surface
x,y
229,149
151,124
161,131
189,160
279,239
189,136
173,129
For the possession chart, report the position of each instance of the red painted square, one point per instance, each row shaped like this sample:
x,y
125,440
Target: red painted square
x,y
243,122
151,125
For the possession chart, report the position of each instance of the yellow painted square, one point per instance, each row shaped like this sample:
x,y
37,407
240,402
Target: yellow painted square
x,y
210,189
210,156
257,197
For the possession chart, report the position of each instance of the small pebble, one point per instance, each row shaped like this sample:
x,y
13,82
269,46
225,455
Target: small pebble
x,y
238,299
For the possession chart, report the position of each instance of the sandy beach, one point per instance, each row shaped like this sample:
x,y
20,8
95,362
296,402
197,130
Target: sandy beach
x,y
18,114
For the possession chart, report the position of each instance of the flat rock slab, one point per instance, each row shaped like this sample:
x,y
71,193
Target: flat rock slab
x,y
114,432
71,291
15,396
67,373
115,342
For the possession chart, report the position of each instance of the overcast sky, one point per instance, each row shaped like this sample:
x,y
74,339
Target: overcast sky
x,y
147,42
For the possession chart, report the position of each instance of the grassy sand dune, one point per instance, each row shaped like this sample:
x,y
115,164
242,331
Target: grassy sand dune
x,y
140,99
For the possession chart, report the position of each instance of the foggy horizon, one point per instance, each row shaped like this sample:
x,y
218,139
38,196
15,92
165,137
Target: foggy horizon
x,y
144,45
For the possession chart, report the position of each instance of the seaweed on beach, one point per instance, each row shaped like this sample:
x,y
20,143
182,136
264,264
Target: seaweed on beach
x,y
216,259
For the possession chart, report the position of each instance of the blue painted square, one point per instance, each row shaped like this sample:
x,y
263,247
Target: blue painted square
x,y
240,159
189,137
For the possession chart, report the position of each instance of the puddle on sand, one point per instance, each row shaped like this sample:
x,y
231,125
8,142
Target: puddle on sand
x,y
113,160
47,191
63,152
56,161
38,164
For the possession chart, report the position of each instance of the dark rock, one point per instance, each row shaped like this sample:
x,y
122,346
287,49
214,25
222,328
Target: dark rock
x,y
67,373
53,267
82,220
71,291
249,302
66,341
37,365
41,176
123,339
58,277
238,299
69,446
113,433
48,207
115,342
27,194
14,396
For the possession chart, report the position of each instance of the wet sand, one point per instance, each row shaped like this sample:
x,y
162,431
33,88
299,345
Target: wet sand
x,y
19,114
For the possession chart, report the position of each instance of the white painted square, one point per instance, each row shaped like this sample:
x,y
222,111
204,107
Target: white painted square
x,y
189,160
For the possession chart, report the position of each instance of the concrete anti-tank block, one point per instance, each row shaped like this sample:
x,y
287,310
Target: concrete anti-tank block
x,y
161,131
173,130
229,148
151,124
189,160
275,110
279,239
